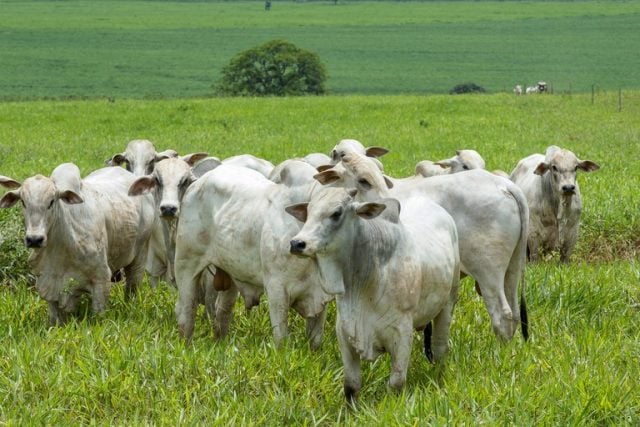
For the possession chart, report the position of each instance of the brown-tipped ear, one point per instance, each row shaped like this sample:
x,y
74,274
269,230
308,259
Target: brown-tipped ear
x,y
117,160
588,166
444,163
192,158
7,182
142,185
370,210
327,177
298,211
388,181
376,151
323,168
9,199
541,169
70,197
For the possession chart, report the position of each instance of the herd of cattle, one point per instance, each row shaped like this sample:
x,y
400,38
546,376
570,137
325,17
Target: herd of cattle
x,y
390,251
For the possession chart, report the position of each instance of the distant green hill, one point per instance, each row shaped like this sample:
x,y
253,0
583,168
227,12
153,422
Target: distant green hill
x,y
150,49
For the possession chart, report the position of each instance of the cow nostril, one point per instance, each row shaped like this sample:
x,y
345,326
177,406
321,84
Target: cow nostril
x,y
297,246
168,210
34,241
568,188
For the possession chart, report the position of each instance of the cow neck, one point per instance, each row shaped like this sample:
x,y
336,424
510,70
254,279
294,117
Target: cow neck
x,y
550,195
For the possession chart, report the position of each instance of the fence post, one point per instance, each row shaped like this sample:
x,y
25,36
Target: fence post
x,y
593,93
619,100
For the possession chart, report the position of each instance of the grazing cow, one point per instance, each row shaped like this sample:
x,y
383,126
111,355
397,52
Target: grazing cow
x,y
169,179
463,160
140,157
81,231
251,162
540,87
390,274
346,146
555,204
491,216
232,218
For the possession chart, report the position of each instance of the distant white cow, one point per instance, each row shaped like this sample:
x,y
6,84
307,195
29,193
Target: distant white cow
x,y
491,215
517,90
463,160
555,204
81,231
233,218
391,274
140,157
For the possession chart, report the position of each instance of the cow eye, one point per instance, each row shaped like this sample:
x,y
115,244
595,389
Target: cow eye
x,y
51,204
336,215
554,168
465,167
364,183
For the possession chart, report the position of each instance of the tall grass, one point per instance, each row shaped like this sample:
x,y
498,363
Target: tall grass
x,y
150,49
129,366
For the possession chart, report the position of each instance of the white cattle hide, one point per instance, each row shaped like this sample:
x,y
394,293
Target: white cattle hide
x,y
390,274
463,160
81,231
251,162
555,203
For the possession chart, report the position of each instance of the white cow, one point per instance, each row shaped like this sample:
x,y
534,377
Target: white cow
x,y
491,215
346,146
81,231
140,157
233,218
251,162
555,204
317,159
517,90
463,160
293,172
390,274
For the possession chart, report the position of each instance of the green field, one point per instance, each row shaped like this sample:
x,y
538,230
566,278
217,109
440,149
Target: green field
x,y
129,366
161,49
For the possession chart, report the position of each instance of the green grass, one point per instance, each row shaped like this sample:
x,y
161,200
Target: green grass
x,y
129,365
152,49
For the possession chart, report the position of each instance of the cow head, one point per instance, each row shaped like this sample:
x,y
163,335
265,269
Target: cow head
x,y
562,167
463,160
40,197
347,146
140,157
170,180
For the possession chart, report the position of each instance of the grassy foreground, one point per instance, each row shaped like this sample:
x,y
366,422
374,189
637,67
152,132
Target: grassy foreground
x,y
129,366
154,49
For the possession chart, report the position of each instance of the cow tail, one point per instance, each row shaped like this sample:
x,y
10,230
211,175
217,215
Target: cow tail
x,y
520,255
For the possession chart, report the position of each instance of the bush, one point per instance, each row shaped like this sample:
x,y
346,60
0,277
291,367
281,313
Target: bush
x,y
467,88
277,68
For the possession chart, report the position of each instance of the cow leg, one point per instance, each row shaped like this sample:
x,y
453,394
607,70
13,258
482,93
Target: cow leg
x,y
495,300
351,363
315,329
278,310
187,301
225,301
57,316
99,296
442,325
400,354
133,275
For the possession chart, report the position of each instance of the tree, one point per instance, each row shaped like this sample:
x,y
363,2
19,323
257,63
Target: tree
x,y
467,88
277,68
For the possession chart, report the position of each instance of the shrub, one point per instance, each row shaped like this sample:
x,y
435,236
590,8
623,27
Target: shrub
x,y
467,88
277,68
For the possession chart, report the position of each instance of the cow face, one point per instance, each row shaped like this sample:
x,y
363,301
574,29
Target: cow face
x,y
329,222
140,157
170,180
347,146
39,198
562,167
464,160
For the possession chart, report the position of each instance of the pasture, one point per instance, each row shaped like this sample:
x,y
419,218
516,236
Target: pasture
x,y
129,365
161,49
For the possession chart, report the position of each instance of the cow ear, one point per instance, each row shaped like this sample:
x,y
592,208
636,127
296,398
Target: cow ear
x,y
388,181
370,210
166,154
117,160
142,185
541,169
7,182
323,168
9,199
376,151
298,211
192,158
447,163
588,166
327,177
70,197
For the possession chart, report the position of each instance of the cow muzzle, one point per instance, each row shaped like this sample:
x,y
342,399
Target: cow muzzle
x,y
35,241
568,189
297,247
168,211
